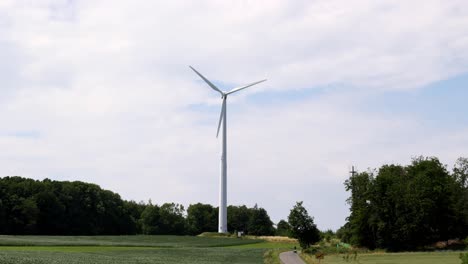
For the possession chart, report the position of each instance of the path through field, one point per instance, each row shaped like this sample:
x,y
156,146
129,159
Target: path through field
x,y
290,258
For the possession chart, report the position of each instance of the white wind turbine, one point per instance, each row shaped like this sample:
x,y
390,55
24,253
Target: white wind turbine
x,y
222,217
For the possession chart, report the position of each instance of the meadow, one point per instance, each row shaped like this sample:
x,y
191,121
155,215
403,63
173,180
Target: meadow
x,y
178,249
133,249
108,255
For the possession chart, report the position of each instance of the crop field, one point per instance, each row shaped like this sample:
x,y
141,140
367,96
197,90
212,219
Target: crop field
x,y
132,249
140,241
93,254
176,249
395,258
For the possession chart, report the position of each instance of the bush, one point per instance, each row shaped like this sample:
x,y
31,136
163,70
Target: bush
x,y
464,258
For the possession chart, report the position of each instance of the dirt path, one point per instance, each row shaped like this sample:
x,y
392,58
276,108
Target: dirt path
x,y
290,258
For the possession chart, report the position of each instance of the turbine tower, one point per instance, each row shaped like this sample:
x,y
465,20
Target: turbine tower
x,y
222,217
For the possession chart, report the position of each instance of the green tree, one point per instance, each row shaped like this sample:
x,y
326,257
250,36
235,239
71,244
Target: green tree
x,y
51,213
259,223
403,208
238,218
388,207
460,172
150,219
360,186
134,210
283,228
344,233
201,218
429,196
172,221
327,235
302,226
460,175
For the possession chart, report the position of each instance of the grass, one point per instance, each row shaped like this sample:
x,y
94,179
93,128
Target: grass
x,y
392,258
272,257
133,255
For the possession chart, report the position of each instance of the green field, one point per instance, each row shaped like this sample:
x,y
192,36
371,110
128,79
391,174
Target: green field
x,y
111,255
174,249
132,249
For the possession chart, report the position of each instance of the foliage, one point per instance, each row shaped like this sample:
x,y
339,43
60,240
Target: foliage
x,y
150,219
49,207
260,223
238,218
327,235
460,175
283,228
62,208
252,221
302,226
406,207
172,221
201,218
464,258
344,233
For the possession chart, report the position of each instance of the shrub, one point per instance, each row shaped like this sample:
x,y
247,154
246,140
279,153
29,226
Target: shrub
x,y
464,258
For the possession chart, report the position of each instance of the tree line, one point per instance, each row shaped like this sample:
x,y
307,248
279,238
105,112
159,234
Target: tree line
x,y
50,207
407,207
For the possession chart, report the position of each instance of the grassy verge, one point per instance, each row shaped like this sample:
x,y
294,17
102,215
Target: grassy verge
x,y
389,258
272,256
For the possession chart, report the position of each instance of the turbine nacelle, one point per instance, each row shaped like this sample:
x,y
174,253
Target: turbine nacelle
x,y
223,94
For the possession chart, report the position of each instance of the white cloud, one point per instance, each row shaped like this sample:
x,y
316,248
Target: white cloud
x,y
105,85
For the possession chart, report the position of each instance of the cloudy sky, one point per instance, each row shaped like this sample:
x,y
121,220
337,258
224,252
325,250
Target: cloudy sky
x,y
100,91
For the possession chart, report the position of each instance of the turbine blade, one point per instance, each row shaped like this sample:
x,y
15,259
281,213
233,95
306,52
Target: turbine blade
x,y
221,116
243,87
206,80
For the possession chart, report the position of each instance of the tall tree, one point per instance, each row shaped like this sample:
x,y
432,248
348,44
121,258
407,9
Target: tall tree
x,y
403,208
302,226
360,185
460,175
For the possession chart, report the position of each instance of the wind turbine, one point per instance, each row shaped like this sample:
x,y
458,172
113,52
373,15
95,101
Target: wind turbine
x,y
222,217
